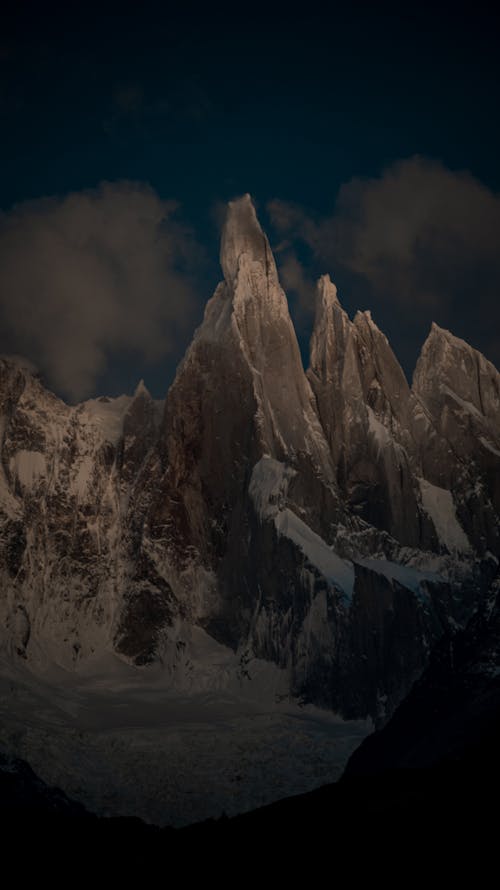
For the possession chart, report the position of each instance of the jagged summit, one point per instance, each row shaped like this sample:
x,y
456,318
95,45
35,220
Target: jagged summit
x,y
247,344
459,390
326,292
363,321
330,332
242,236
442,338
250,299
461,370
141,390
363,402
438,332
448,340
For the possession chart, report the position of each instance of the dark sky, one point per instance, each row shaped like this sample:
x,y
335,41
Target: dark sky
x,y
368,138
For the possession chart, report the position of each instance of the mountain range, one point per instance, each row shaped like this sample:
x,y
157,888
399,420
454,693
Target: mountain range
x,y
335,521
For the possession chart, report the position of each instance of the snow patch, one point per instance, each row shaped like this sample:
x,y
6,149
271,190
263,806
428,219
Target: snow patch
x,y
83,475
269,485
466,406
408,576
28,466
338,571
378,430
107,415
268,488
438,504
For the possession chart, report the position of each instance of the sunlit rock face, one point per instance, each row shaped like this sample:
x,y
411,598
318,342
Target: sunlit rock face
x,y
458,431
365,404
239,395
333,522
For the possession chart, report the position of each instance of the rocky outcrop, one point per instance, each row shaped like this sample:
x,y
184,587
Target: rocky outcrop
x,y
67,482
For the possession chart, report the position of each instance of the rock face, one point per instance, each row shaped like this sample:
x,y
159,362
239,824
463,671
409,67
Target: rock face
x,y
239,395
336,522
459,431
67,475
365,404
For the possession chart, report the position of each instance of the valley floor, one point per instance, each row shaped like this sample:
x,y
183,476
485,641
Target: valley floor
x,y
125,743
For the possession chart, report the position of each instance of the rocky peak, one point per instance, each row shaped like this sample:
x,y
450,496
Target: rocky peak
x,y
330,333
459,430
353,363
326,294
141,419
239,394
385,386
364,403
243,241
247,335
141,391
333,362
451,370
257,303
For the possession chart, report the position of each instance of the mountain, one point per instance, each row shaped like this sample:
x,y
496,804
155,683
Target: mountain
x,y
335,522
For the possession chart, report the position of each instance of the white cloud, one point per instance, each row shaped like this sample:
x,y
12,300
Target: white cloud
x,y
421,242
92,274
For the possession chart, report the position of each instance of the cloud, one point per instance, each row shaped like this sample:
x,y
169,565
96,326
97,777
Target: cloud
x,y
93,275
421,240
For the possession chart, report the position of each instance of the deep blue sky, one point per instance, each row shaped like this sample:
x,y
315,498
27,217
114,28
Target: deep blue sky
x,y
206,108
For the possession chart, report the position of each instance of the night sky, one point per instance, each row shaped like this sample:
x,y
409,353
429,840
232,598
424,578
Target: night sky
x,y
368,138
